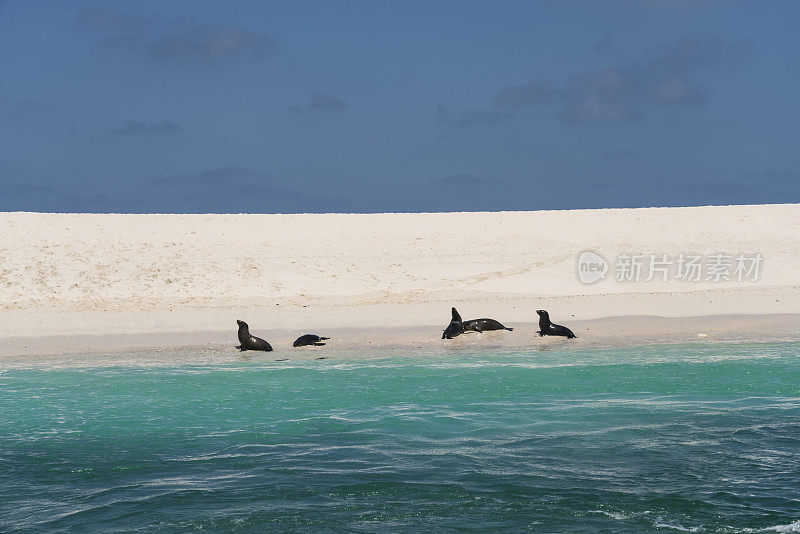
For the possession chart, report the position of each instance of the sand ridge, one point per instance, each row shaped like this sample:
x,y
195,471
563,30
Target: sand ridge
x,y
83,274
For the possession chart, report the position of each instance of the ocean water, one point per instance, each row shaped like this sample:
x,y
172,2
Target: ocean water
x,y
666,438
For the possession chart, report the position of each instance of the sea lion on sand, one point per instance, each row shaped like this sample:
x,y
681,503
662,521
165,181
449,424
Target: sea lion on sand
x,y
482,325
309,339
455,328
250,342
550,329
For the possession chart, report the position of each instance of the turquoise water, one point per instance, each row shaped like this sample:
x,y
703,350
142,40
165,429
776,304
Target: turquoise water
x,y
700,438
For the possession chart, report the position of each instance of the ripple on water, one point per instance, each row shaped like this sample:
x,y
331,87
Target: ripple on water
x,y
701,438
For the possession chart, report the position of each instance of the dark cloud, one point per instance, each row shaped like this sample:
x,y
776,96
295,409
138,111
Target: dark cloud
x,y
132,127
217,190
472,117
180,40
665,77
529,95
240,190
595,108
208,44
603,95
461,179
321,101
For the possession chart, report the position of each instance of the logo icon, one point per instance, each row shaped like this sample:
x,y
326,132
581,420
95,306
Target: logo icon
x,y
592,267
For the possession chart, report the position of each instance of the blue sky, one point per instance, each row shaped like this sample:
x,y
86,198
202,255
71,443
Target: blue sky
x,y
410,106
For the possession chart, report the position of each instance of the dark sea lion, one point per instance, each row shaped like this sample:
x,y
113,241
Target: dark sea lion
x,y
550,329
249,342
309,339
455,328
482,325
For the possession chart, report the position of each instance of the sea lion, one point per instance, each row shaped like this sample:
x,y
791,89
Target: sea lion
x,y
309,339
482,325
455,328
250,342
550,329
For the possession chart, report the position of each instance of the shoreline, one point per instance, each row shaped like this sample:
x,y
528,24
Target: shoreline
x,y
210,346
83,282
320,314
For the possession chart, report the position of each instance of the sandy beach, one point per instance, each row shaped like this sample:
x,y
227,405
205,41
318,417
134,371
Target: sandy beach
x,y
84,282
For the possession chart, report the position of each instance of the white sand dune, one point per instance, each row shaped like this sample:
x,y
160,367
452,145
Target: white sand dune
x,y
82,274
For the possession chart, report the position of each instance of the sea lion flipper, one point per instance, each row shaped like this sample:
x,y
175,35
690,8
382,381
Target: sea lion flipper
x,y
456,316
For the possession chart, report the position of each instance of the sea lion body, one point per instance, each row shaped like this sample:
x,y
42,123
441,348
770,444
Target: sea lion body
x,y
309,339
250,342
455,328
482,325
549,329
